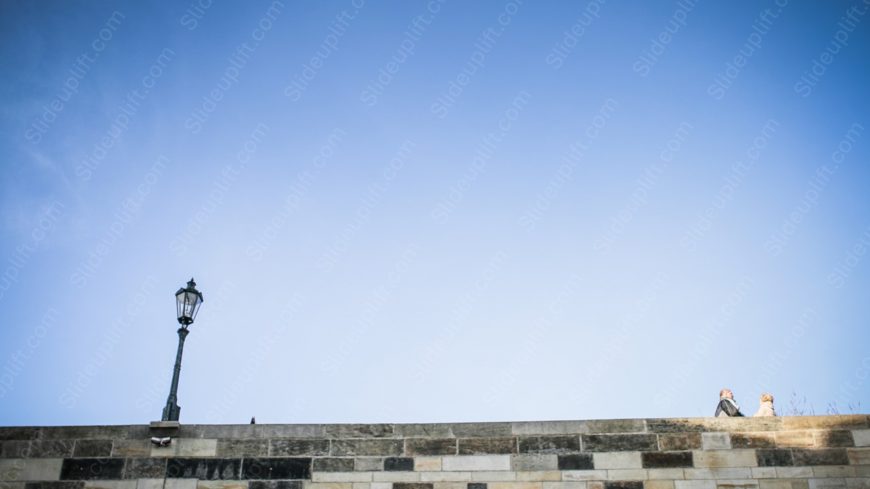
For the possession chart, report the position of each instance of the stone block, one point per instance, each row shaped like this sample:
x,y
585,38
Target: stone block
x,y
834,439
92,469
783,484
93,448
718,473
576,461
329,464
663,460
534,461
16,485
380,485
729,458
774,457
794,472
51,448
242,448
340,477
626,474
430,446
615,443
666,474
205,468
821,422
149,483
332,485
289,447
14,449
396,476
858,456
180,484
221,484
824,456
471,485
396,464
763,472
617,460
658,484
795,439
680,441
516,485
483,446
476,462
260,484
44,469
695,484
497,476
833,471
615,426
367,447
737,484
131,448
549,444
584,475
359,430
623,484
186,447
538,476
753,440
715,441
861,438
280,468
55,485
480,430
858,483
423,430
98,484
413,485
145,468
18,433
839,483
549,428
566,485
368,464
595,484
427,464
445,476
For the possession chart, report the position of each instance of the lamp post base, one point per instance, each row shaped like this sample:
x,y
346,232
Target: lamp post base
x,y
171,412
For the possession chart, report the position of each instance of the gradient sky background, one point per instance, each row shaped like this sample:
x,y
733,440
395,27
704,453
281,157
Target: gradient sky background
x,y
580,234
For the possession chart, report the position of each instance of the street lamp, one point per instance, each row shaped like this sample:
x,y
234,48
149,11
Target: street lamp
x,y
187,302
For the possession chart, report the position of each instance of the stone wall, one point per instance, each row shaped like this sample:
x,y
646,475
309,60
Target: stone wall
x,y
700,453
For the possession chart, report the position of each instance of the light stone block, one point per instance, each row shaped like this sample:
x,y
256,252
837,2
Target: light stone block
x,y
794,472
149,484
658,484
502,476
427,464
716,441
595,485
360,485
775,484
858,483
833,471
859,456
626,475
180,484
130,484
763,472
11,485
566,485
617,460
584,475
535,462
549,428
445,476
368,464
699,484
719,473
515,485
539,476
672,474
827,483
450,485
33,469
225,484
476,462
187,447
331,485
396,477
381,485
341,477
861,437
722,458
795,439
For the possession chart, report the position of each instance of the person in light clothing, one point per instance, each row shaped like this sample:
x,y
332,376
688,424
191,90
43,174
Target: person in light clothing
x,y
766,406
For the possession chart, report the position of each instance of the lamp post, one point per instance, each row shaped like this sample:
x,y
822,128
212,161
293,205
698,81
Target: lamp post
x,y
187,301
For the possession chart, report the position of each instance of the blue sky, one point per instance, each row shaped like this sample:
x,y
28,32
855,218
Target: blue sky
x,y
433,211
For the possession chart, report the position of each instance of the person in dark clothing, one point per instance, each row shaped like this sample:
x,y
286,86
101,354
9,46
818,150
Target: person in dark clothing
x,y
727,405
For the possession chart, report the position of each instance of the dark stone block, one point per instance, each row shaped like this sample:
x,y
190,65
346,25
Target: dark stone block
x,y
94,432
276,468
145,468
665,460
579,461
549,444
81,469
367,447
618,443
827,456
17,433
396,464
477,446
477,485
14,449
774,457
203,468
623,485
299,446
242,448
55,485
835,438
93,448
51,448
430,446
359,430
481,430
752,440
276,485
413,485
333,465
680,441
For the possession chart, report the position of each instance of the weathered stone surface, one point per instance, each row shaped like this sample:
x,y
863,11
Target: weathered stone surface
x,y
368,464
664,460
370,447
395,477
358,431
824,422
616,426
204,468
330,464
825,456
97,484
395,464
617,443
482,446
752,440
534,461
538,476
412,485
43,469
480,430
617,460
774,457
94,432
715,441
92,469
221,484
431,446
242,431
858,483
493,476
834,439
51,448
718,473
577,461
260,484
549,444
838,483
665,474
131,448
242,448
145,468
549,428
55,485
658,484
477,485
14,449
186,447
695,484
476,462
827,471
427,464
16,433
623,485
584,475
861,438
298,446
423,430
567,485
679,441
725,458
516,485
277,468
859,456
92,448
626,475
795,439
360,477
441,476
